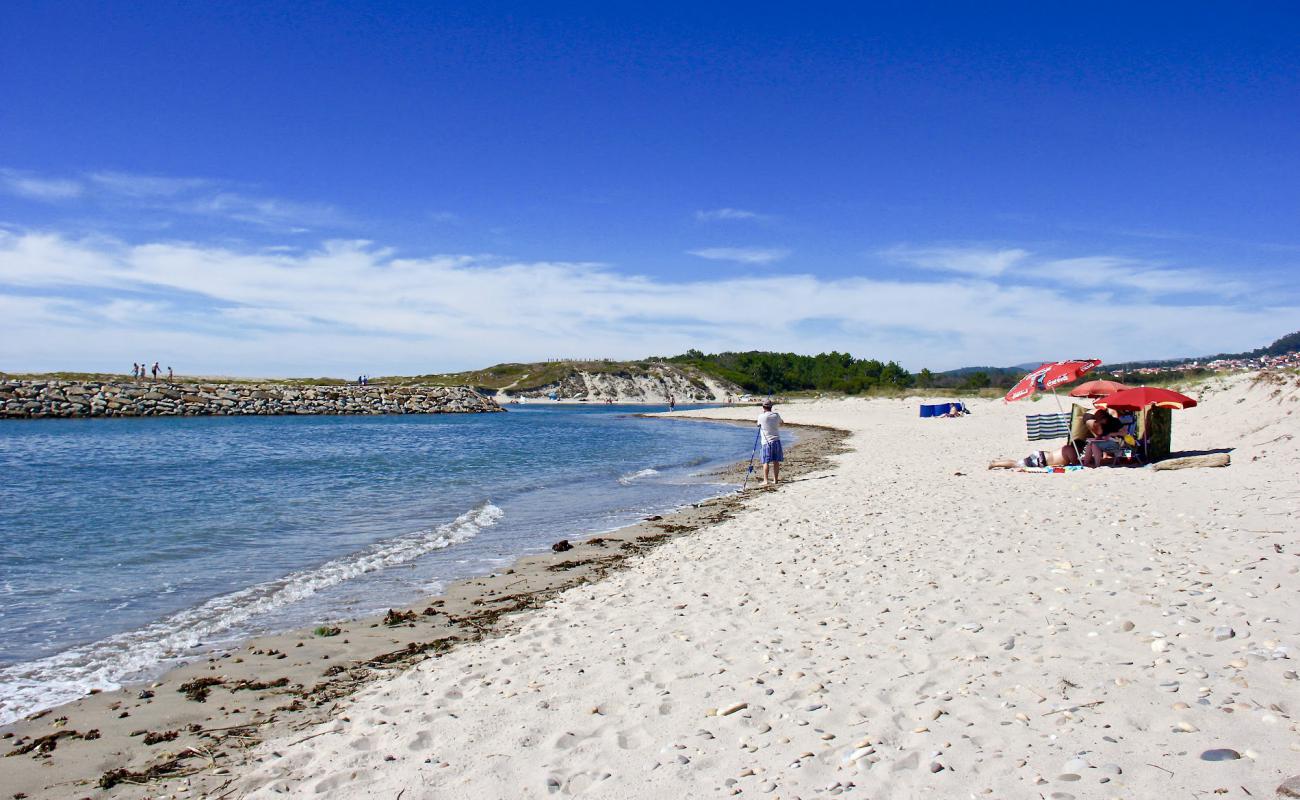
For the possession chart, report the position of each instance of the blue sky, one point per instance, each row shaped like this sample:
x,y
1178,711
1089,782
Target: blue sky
x,y
404,188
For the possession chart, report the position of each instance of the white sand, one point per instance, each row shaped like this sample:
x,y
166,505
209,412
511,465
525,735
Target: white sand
x,y
906,625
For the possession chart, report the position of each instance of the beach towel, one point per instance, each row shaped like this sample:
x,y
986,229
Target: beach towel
x,y
1051,470
1047,426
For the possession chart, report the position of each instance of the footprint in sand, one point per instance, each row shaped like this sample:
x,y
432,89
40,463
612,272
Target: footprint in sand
x,y
631,740
575,784
362,743
419,742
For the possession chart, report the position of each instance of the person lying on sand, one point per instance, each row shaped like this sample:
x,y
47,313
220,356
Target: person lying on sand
x,y
1064,457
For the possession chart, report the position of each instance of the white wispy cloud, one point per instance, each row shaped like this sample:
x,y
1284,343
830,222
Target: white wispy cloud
x,y
268,212
744,255
980,262
719,214
130,193
132,185
1114,274
1103,274
349,306
35,187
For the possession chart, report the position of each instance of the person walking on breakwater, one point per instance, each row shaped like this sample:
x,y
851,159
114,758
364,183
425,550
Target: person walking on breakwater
x,y
155,372
135,370
169,375
769,425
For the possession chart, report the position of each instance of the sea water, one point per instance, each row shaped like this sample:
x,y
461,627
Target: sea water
x,y
130,545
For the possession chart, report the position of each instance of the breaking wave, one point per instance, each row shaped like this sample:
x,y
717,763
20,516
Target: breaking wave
x,y
636,476
134,655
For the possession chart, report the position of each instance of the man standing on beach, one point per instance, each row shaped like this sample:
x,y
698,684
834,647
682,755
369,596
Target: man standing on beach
x,y
769,425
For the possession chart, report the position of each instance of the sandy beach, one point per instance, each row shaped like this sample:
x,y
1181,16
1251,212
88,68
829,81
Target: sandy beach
x,y
191,728
896,622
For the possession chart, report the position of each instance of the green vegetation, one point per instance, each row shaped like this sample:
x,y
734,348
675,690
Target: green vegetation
x,y
520,377
784,373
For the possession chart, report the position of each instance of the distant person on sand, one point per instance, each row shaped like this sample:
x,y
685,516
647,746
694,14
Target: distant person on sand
x,y
769,425
672,402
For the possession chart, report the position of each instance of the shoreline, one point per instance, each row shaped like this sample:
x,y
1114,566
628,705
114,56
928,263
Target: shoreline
x,y
188,729
908,624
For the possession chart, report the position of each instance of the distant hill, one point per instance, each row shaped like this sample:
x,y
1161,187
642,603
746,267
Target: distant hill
x,y
1017,370
1286,344
967,377
649,380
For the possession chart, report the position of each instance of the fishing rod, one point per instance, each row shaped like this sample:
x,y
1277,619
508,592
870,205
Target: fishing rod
x,y
752,453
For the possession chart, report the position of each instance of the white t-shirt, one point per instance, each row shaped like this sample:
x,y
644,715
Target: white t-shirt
x,y
770,422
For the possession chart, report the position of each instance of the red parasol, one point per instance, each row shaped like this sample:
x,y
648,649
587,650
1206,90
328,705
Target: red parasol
x,y
1049,376
1143,396
1097,389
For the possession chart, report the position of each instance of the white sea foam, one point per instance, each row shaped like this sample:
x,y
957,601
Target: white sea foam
x,y
134,655
636,476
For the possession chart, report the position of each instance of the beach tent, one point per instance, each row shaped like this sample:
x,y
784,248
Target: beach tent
x,y
941,409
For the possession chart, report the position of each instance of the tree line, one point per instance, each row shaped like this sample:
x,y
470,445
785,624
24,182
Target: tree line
x,y
771,373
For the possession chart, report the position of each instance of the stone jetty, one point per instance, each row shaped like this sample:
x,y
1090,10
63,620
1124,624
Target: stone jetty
x,y
28,399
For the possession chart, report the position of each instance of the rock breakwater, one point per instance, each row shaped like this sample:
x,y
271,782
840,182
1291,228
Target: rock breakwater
x,y
37,399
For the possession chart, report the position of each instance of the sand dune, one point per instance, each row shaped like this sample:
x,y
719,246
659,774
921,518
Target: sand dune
x,y
906,624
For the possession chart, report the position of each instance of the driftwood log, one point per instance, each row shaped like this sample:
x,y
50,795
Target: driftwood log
x,y
1187,462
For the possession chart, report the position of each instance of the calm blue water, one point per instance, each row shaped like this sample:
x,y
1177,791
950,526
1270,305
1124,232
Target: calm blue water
x,y
126,545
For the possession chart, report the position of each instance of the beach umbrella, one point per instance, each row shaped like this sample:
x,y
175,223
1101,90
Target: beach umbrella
x,y
1049,376
1097,389
1144,396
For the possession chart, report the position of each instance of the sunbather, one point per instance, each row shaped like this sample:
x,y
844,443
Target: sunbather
x,y
1065,457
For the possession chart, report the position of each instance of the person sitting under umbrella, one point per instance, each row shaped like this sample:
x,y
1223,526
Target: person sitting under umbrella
x,y
1107,438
